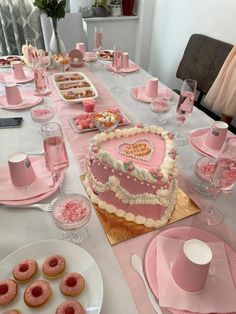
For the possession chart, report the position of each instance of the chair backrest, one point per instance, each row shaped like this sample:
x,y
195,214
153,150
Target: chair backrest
x,y
202,59
70,28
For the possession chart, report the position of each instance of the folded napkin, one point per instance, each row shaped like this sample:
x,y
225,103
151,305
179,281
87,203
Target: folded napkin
x,y
139,93
42,184
218,295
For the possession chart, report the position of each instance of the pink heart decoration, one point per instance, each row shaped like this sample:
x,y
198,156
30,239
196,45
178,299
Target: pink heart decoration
x,y
139,150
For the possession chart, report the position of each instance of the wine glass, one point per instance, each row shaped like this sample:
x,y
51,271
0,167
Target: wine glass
x,y
55,150
185,107
98,38
71,213
117,64
161,107
222,179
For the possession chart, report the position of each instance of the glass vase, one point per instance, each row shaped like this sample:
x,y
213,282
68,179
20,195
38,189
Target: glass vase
x,y
56,45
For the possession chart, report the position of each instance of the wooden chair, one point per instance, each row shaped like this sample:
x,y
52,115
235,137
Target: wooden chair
x,y
202,59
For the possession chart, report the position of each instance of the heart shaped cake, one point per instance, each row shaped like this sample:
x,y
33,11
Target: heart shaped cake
x,y
132,173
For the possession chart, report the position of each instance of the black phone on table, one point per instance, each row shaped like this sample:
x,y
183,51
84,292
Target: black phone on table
x,y
15,122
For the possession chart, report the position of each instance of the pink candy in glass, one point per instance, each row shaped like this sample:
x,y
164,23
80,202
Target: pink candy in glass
x,y
89,105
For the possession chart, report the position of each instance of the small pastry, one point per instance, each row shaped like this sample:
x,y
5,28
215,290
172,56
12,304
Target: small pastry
x,y
54,266
72,284
25,270
70,307
37,293
8,291
70,95
13,311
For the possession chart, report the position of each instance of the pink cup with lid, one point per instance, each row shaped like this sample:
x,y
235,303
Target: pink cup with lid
x,y
217,135
13,95
151,89
17,70
191,267
21,171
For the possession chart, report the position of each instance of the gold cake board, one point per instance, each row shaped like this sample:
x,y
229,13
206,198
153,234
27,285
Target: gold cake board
x,y
118,229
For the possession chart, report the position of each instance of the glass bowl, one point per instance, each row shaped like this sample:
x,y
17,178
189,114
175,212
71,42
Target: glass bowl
x,y
204,168
106,120
61,62
42,113
71,213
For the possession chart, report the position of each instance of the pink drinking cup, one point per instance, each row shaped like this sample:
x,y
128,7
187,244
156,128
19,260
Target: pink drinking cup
x,y
151,89
217,135
17,70
191,267
125,60
89,105
13,95
21,171
81,47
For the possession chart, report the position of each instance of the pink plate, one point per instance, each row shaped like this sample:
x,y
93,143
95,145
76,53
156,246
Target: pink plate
x,y
139,93
199,135
7,77
28,101
132,68
36,198
183,233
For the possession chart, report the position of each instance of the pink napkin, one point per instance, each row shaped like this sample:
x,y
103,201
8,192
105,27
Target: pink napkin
x,y
42,184
28,100
218,294
139,93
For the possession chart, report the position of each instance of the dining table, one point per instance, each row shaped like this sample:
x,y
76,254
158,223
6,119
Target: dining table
x,y
123,289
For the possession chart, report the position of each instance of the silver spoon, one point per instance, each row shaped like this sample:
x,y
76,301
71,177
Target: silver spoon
x,y
138,266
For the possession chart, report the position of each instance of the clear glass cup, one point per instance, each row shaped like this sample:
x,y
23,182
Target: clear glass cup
x,y
160,107
185,107
97,38
117,62
105,120
42,114
55,150
71,213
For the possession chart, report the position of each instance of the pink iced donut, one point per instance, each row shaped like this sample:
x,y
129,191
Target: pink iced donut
x,y
72,284
37,293
14,311
8,291
70,307
54,266
25,270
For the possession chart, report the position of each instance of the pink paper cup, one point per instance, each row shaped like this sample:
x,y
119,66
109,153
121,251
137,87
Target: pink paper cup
x,y
21,171
125,60
81,47
191,267
217,135
17,70
13,95
151,89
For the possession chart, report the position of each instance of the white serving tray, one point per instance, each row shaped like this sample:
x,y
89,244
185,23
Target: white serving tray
x,y
68,74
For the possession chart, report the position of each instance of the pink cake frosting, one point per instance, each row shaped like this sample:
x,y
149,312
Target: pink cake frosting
x,y
132,173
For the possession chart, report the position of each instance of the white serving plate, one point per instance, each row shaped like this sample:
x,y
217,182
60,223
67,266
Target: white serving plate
x,y
77,100
77,260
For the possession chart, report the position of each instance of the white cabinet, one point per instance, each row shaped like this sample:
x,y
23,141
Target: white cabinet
x,y
121,29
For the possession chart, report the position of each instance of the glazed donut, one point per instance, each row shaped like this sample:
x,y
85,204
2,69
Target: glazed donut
x,y
13,311
70,307
54,266
72,284
70,95
37,293
25,270
8,291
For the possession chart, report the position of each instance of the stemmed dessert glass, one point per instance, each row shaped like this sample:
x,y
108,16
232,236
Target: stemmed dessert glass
x,y
105,120
185,107
55,150
97,38
160,107
117,64
42,114
71,213
222,179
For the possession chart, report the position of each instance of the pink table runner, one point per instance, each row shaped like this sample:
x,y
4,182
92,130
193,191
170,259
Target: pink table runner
x,y
79,141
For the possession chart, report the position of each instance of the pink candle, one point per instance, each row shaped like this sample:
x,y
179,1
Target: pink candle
x,y
89,105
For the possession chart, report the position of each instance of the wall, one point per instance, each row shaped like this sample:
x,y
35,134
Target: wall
x,y
173,23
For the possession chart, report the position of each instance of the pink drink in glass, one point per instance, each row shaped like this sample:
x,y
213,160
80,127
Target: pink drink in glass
x,y
224,175
118,60
41,80
55,154
185,105
98,39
